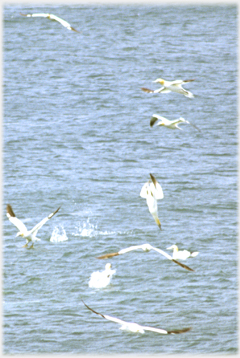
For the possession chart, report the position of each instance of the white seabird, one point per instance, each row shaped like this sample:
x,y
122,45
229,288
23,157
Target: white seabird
x,y
29,235
136,328
52,17
101,279
169,124
181,255
170,86
146,248
152,191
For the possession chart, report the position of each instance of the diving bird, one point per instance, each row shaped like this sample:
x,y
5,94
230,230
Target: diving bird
x,y
101,279
169,124
170,86
137,328
152,191
181,255
52,17
146,248
29,235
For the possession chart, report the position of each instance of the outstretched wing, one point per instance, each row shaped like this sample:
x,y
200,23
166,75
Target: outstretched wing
x,y
162,90
15,221
170,258
123,251
41,223
147,90
62,22
110,318
107,256
35,15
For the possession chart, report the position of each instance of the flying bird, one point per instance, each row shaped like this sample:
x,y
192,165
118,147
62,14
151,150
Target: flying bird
x,y
101,279
170,86
181,255
146,248
152,191
52,17
169,124
136,328
29,235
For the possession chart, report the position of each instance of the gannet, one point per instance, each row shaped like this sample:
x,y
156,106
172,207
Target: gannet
x,y
169,124
170,86
29,235
181,255
101,279
146,248
152,191
52,17
136,328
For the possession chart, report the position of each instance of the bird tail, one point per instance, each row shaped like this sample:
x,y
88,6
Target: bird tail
x,y
193,254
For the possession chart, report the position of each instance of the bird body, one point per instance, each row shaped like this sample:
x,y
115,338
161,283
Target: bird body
x,y
181,255
52,17
152,191
162,121
135,327
29,235
170,86
101,279
146,248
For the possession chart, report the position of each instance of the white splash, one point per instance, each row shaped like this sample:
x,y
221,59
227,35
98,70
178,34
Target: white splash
x,y
59,234
101,279
87,229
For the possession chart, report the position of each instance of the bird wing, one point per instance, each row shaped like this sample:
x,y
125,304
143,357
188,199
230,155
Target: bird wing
x,y
185,81
162,90
163,331
35,15
131,248
156,188
15,221
176,83
170,258
145,188
147,90
42,222
154,329
106,256
110,318
62,22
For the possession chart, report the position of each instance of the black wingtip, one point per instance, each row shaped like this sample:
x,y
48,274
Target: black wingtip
x,y
178,331
10,210
182,265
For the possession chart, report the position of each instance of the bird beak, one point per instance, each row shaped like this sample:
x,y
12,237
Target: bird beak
x,y
169,248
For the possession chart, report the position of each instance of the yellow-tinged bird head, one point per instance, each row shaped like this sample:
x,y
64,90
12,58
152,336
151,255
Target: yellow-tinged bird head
x,y
20,234
159,80
173,247
108,266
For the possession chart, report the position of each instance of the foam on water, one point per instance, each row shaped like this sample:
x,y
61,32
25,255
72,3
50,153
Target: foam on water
x,y
58,234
